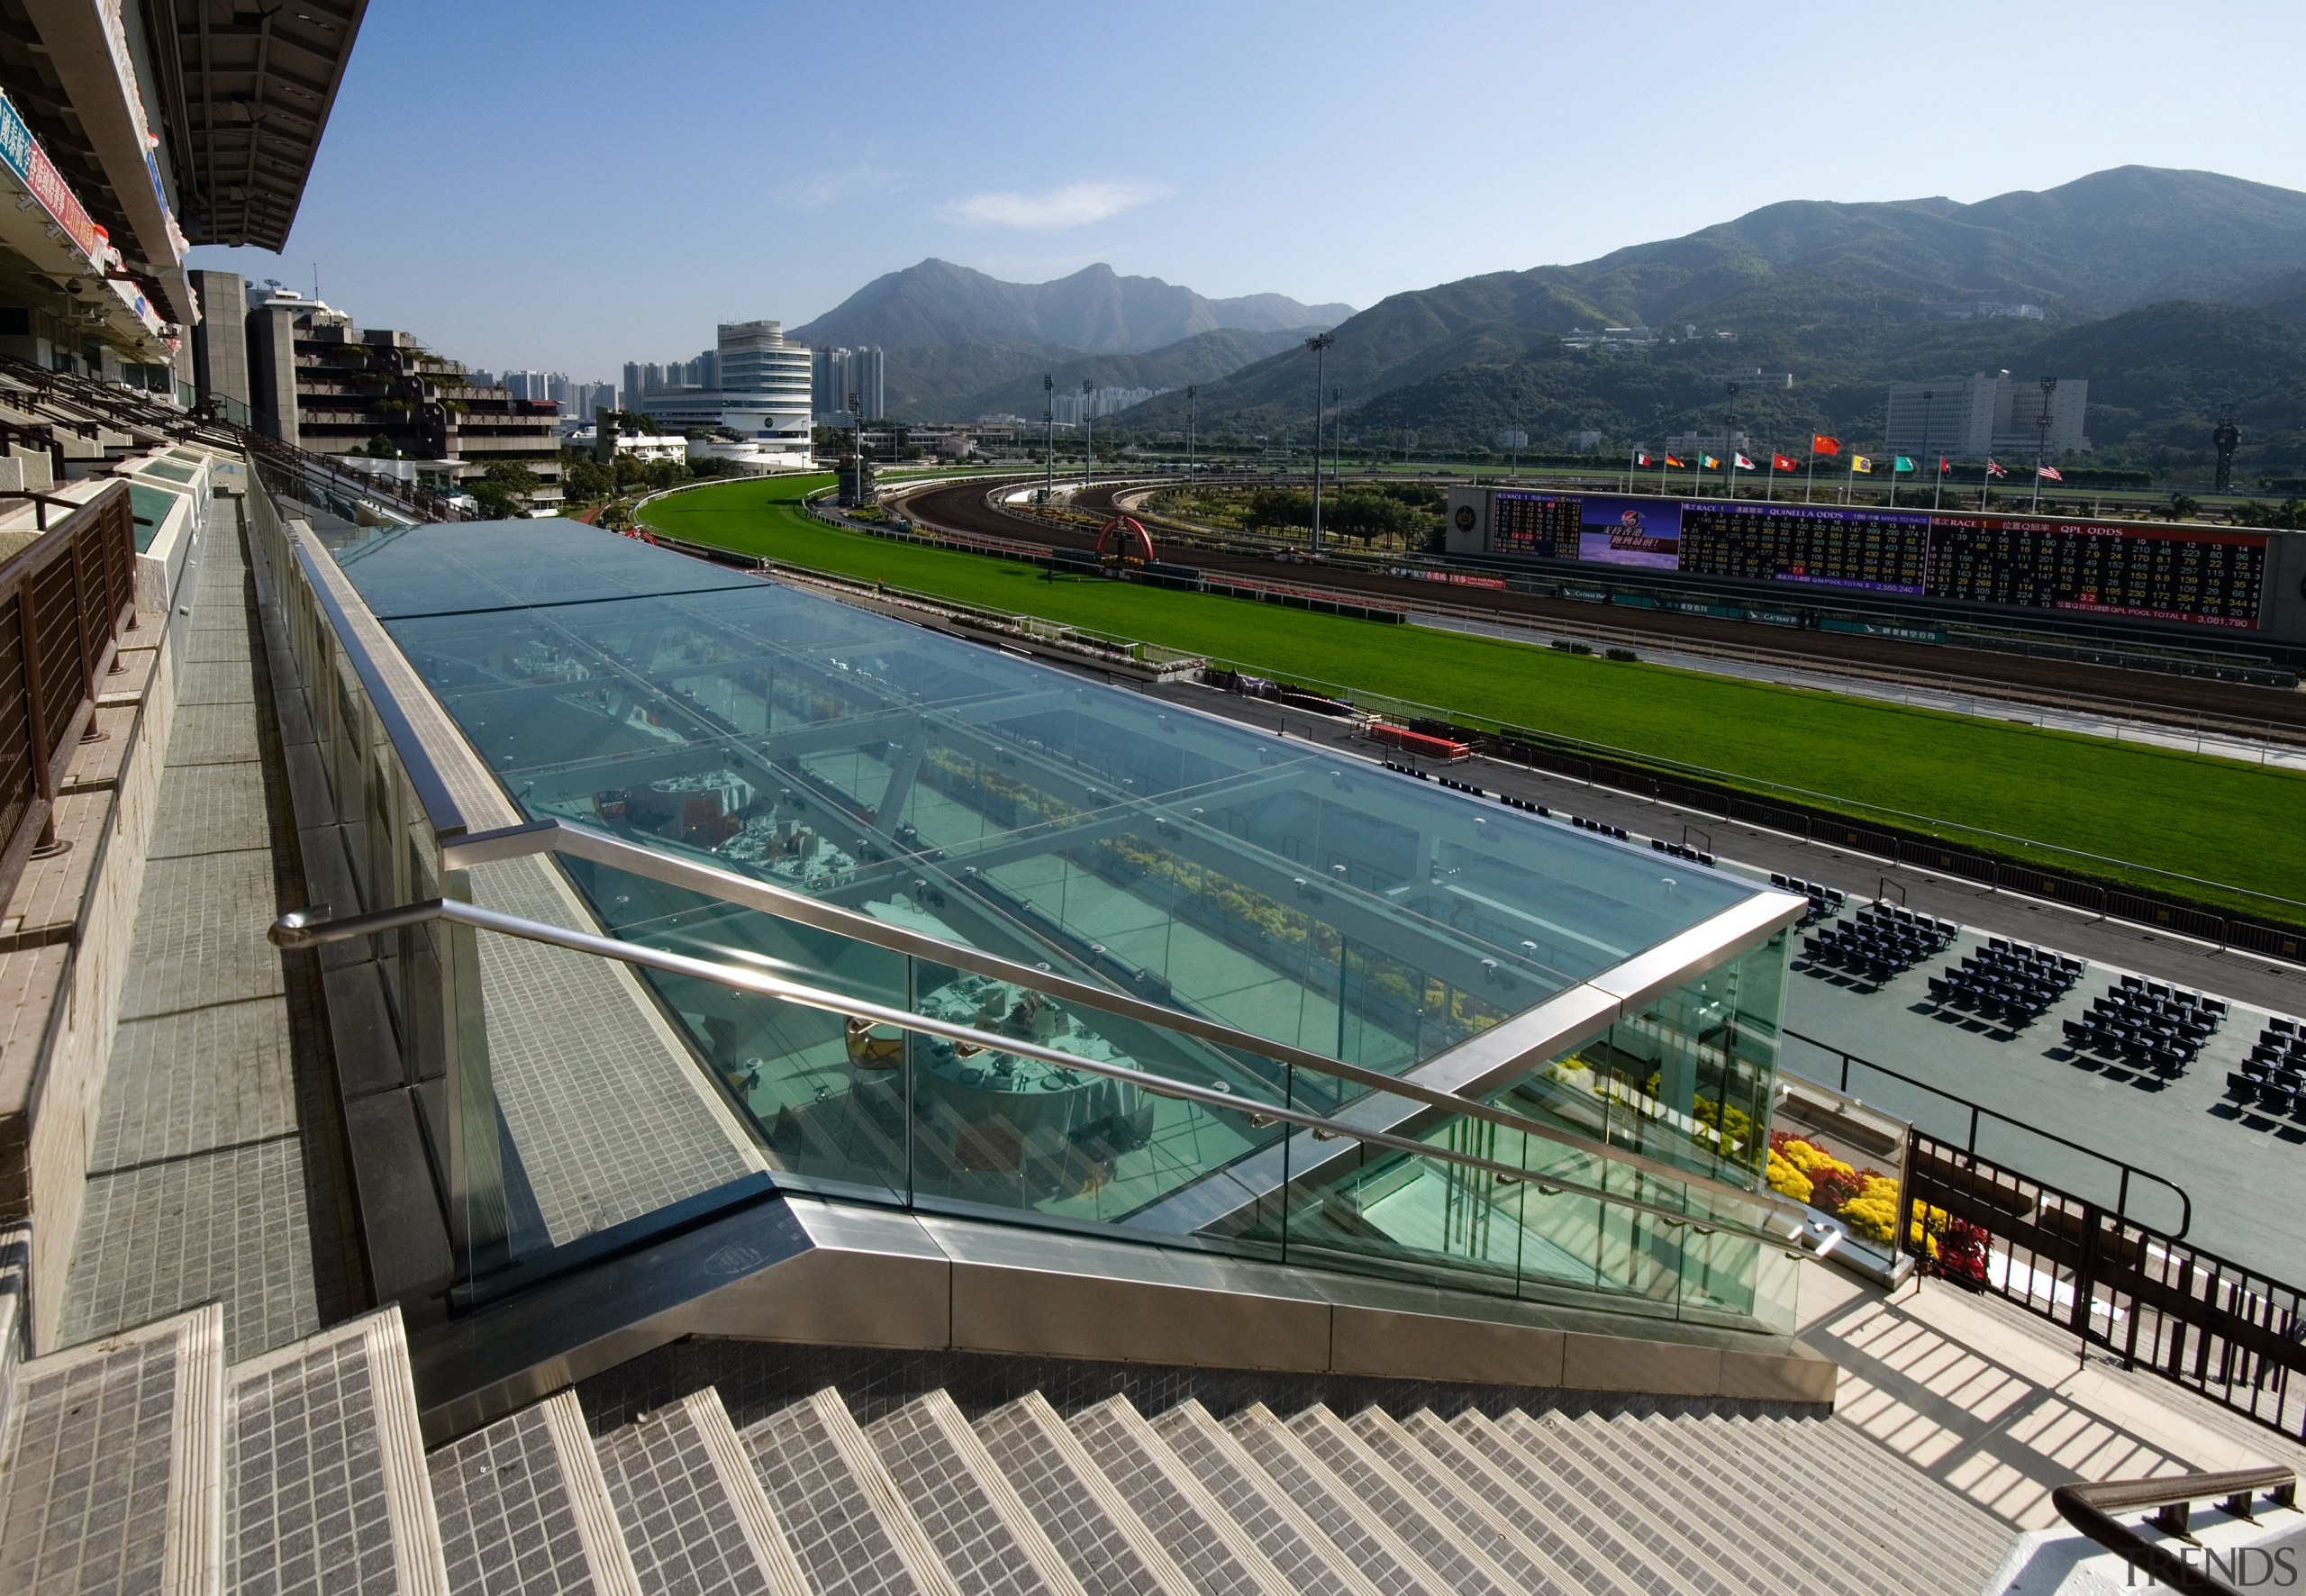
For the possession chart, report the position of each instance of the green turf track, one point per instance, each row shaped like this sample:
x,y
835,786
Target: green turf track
x,y
2208,817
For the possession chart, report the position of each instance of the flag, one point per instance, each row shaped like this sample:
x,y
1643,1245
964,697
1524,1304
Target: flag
x,y
1819,444
1743,463
2047,474
1861,463
1780,463
1708,463
1994,470
1641,460
1944,465
1901,466
1670,460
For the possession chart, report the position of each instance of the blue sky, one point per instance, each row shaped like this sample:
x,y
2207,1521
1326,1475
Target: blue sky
x,y
575,184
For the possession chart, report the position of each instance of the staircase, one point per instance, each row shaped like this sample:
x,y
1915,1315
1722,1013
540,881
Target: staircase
x,y
143,1461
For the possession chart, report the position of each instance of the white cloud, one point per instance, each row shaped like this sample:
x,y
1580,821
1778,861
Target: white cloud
x,y
1073,205
815,192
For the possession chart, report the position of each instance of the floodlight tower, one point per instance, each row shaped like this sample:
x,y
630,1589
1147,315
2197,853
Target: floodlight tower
x,y
1048,448
1191,390
2226,439
2041,437
1088,436
1320,344
1729,443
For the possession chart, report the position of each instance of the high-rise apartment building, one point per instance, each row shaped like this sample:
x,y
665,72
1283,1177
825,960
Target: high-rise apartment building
x,y
836,374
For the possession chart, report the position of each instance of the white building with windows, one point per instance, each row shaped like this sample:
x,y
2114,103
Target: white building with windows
x,y
762,395
1986,413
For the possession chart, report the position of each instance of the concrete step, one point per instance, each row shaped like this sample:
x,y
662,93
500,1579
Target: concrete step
x,y
1279,1527
693,1512
1768,1467
1536,1553
326,1466
844,1517
523,1508
1290,1495
1589,1509
1368,1497
1662,1486
1851,1474
1214,1552
112,1464
978,1524
1107,1547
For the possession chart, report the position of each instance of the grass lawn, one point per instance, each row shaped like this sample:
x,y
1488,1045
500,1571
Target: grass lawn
x,y
2208,817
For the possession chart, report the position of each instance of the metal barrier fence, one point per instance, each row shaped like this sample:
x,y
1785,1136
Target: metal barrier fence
x,y
2228,1333
64,601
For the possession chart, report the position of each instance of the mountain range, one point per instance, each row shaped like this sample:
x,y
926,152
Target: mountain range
x,y
2175,292
956,339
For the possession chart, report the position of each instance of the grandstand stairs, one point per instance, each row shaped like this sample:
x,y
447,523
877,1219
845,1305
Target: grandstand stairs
x,y
143,1460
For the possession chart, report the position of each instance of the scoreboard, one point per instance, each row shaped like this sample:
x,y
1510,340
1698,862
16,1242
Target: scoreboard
x,y
1827,548
2211,577
2205,577
1543,525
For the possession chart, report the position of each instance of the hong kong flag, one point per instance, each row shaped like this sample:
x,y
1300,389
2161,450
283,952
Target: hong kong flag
x,y
1944,465
1780,463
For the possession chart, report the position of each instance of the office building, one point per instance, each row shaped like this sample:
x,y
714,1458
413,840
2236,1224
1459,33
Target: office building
x,y
761,394
1983,415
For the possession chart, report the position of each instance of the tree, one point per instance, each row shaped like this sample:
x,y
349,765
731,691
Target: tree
x,y
382,448
504,489
583,479
2184,507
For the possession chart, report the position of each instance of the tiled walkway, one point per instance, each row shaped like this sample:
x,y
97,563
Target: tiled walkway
x,y
214,1159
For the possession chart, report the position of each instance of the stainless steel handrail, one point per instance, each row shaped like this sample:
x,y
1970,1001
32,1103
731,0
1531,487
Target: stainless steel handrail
x,y
573,841
309,929
2090,1508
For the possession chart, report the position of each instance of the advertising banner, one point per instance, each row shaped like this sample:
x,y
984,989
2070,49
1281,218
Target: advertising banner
x,y
24,157
1647,533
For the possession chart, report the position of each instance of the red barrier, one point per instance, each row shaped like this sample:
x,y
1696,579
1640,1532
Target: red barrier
x,y
1418,742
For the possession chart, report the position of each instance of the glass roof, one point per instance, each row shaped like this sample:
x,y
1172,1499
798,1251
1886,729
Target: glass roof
x,y
1300,894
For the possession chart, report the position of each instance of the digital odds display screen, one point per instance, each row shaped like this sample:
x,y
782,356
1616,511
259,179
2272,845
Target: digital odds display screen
x,y
2207,576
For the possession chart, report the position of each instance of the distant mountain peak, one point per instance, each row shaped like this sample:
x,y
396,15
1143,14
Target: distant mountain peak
x,y
1095,309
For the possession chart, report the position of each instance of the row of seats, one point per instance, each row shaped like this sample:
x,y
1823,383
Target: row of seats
x,y
1681,851
1882,941
1599,827
1825,901
2279,1089
2007,981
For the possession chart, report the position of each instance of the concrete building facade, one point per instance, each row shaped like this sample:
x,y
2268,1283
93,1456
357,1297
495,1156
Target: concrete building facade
x,y
1985,413
761,394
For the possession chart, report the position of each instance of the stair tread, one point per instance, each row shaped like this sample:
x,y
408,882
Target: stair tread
x,y
1104,1545
1307,1558
111,1472
844,1517
523,1510
980,1526
1210,1548
1537,1555
1363,1488
326,1468
1662,1485
693,1515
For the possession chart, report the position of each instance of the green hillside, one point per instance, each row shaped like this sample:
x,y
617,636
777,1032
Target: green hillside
x,y
2202,817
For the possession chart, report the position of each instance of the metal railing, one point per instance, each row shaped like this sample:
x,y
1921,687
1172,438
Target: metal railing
x,y
2227,1332
306,928
2091,1509
1975,1117
64,601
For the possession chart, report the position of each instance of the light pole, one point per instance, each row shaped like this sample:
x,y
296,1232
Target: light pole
x,y
1048,448
1190,391
1088,435
1928,395
1513,434
1320,344
1336,438
1730,441
2042,437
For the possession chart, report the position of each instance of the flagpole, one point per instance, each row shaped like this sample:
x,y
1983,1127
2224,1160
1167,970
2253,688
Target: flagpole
x,y
1849,482
1630,455
1810,487
1938,494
